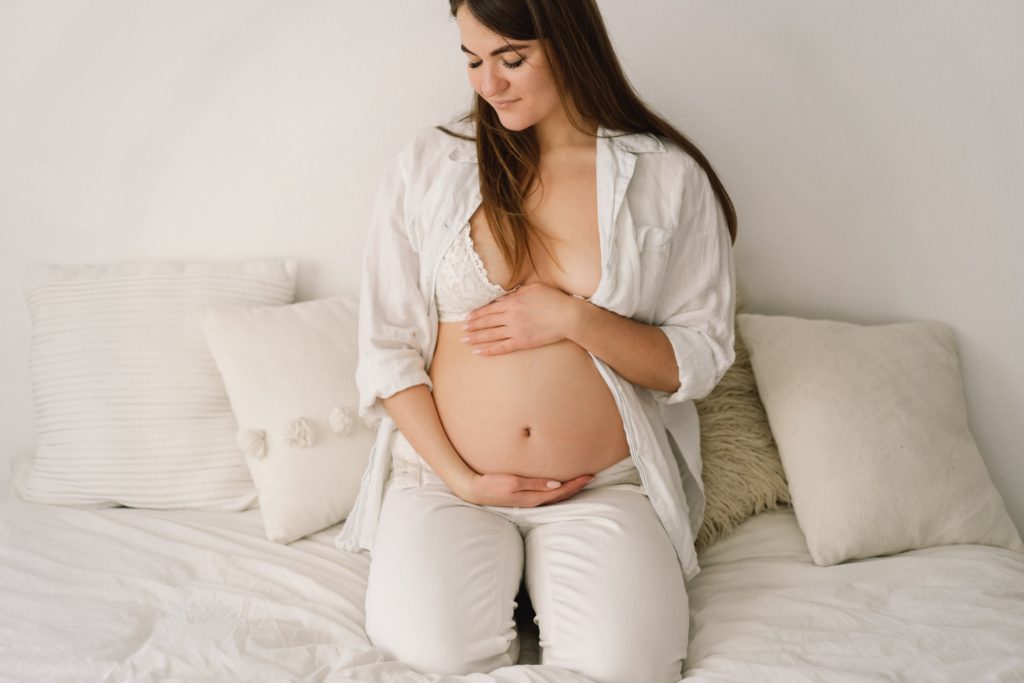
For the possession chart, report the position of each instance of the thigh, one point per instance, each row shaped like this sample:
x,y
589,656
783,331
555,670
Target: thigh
x,y
442,582
607,588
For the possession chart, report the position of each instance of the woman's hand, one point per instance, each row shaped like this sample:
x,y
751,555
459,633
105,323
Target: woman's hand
x,y
532,315
510,490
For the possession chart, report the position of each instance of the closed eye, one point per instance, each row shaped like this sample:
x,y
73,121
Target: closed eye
x,y
508,65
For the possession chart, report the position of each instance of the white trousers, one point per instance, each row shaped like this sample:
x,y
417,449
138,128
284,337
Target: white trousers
x,y
601,573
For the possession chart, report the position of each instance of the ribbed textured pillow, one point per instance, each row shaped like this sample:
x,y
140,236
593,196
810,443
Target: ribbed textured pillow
x,y
130,408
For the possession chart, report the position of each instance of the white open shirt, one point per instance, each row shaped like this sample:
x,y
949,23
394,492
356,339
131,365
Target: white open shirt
x,y
666,259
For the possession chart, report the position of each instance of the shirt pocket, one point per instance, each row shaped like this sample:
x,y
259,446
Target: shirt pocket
x,y
651,237
654,245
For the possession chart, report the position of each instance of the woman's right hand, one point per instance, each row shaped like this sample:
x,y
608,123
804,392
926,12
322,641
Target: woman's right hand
x,y
510,490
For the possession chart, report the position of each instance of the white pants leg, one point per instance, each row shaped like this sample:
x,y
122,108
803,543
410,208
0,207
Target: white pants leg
x,y
443,580
607,588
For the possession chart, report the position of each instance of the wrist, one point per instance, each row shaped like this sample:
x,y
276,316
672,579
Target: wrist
x,y
460,479
577,319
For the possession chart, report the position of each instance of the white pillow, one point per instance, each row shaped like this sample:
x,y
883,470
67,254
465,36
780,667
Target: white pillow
x,y
130,408
871,425
290,375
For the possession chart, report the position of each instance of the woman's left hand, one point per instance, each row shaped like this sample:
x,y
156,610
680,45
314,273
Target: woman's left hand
x,y
533,315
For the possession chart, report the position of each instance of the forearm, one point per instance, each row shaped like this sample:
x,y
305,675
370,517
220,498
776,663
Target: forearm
x,y
415,413
638,352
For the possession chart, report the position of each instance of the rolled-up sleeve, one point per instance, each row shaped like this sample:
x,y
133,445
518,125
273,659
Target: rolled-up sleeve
x,y
696,309
393,318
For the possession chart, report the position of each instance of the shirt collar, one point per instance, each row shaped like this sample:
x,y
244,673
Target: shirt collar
x,y
637,143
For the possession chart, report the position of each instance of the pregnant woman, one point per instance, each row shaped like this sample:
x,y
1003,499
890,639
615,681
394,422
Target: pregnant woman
x,y
548,285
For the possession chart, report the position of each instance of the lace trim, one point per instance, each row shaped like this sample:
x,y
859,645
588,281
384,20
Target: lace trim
x,y
478,263
482,269
463,284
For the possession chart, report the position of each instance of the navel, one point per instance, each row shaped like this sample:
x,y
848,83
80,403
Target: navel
x,y
527,431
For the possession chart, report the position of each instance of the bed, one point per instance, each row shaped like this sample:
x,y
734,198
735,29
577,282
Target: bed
x,y
761,610
819,561
144,595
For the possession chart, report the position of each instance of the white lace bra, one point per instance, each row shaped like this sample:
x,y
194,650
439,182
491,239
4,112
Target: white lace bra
x,y
462,282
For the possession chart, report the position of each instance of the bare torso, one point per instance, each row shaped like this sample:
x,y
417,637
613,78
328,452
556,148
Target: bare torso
x,y
546,411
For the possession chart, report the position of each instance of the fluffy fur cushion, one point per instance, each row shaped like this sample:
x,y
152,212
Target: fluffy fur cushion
x,y
742,471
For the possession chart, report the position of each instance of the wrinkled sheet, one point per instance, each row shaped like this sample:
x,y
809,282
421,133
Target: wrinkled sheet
x,y
762,612
144,595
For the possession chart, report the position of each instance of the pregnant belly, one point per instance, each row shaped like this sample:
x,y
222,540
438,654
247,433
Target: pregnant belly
x,y
543,412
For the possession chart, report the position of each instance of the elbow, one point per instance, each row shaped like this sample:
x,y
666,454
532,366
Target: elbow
x,y
669,382
699,362
383,374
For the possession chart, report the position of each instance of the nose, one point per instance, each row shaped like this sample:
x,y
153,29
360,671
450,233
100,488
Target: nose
x,y
491,81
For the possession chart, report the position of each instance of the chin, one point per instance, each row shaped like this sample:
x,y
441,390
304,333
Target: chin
x,y
516,123
514,127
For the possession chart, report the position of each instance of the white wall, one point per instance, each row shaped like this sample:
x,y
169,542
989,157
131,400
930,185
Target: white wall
x,y
875,151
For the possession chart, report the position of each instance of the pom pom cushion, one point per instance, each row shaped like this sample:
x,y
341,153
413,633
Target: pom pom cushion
x,y
871,427
290,375
130,408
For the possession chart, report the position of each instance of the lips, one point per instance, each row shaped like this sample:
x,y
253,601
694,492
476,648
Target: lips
x,y
505,103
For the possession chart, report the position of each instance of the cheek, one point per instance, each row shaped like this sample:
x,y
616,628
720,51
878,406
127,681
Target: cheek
x,y
542,88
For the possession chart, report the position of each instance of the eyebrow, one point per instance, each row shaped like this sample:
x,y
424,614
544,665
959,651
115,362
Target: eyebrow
x,y
499,51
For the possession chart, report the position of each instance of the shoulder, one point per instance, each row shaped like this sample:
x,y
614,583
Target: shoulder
x,y
675,191
665,173
431,147
664,155
680,173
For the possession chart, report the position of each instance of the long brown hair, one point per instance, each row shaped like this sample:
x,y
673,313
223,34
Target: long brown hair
x,y
584,66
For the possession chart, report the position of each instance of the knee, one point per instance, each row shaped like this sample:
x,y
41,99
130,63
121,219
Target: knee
x,y
623,661
651,649
620,665
432,647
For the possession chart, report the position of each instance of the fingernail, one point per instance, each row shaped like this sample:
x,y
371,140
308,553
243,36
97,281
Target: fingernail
x,y
554,484
465,339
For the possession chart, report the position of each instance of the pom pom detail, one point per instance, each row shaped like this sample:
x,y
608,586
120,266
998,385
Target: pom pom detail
x,y
299,433
342,421
253,442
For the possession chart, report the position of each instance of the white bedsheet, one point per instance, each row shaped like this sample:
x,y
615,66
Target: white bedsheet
x,y
143,595
762,612
140,595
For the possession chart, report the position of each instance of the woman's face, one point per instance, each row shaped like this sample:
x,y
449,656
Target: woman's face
x,y
516,82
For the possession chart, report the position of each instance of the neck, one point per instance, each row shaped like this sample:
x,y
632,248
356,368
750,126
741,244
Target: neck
x,y
556,134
